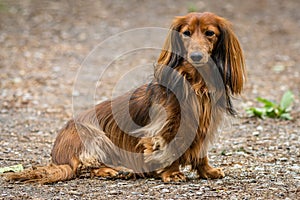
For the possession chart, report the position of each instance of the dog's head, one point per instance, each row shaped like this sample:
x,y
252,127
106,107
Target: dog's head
x,y
199,37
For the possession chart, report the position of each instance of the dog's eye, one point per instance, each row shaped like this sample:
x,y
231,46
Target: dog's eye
x,y
209,33
187,33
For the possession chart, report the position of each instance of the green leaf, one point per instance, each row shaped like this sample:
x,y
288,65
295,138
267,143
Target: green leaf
x,y
271,109
14,168
286,100
272,113
257,112
286,116
266,102
250,111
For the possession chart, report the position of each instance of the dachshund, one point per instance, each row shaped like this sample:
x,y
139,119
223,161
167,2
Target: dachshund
x,y
162,126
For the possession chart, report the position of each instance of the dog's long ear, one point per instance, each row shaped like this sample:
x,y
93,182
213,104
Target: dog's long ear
x,y
229,58
173,50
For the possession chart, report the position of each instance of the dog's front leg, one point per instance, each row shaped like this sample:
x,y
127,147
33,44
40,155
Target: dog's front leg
x,y
157,154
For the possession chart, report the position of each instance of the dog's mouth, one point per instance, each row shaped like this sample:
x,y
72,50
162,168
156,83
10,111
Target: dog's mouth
x,y
199,64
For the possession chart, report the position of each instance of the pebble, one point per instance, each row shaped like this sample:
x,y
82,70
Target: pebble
x,y
236,166
75,193
165,190
278,68
56,69
135,193
259,169
259,128
114,192
3,111
76,93
255,133
17,80
295,167
283,159
158,186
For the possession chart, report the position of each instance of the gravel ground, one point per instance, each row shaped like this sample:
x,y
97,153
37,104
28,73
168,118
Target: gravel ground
x,y
43,44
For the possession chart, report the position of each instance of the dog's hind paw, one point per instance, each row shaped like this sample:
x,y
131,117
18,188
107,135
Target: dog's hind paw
x,y
105,172
173,177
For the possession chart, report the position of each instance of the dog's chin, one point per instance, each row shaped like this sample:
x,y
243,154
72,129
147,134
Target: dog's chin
x,y
199,64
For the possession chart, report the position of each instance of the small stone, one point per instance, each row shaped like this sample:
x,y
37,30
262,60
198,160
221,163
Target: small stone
x,y
114,192
75,193
278,68
4,111
296,168
165,190
255,133
259,168
283,159
56,69
76,93
158,186
135,193
17,80
237,166
259,128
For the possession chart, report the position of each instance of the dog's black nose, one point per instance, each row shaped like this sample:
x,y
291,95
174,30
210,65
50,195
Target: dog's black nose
x,y
196,56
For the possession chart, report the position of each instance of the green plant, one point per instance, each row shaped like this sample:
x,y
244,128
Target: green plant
x,y
272,109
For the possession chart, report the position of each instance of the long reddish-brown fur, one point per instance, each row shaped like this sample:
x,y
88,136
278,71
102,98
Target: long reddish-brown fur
x,y
163,125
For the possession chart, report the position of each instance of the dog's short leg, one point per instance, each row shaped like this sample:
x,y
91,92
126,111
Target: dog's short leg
x,y
206,171
172,173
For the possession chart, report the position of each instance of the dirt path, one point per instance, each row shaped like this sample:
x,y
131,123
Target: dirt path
x,y
44,43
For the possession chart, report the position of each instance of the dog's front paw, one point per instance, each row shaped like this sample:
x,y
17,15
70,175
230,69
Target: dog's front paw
x,y
152,144
158,143
211,173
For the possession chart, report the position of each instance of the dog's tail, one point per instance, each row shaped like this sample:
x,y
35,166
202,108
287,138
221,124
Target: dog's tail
x,y
47,174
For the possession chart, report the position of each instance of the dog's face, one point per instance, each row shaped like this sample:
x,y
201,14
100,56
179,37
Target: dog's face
x,y
199,33
198,38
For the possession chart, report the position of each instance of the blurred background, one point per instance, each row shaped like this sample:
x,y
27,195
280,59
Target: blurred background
x,y
44,43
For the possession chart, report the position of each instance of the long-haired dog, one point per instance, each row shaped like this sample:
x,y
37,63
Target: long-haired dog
x,y
161,126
